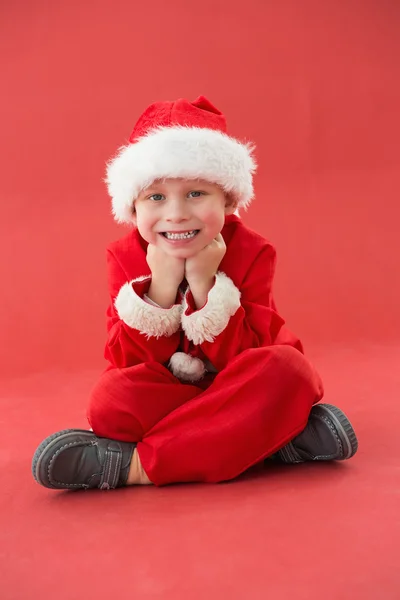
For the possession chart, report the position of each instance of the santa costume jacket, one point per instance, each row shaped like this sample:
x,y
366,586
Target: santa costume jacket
x,y
240,311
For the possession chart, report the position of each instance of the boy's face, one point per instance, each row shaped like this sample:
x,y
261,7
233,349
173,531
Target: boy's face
x,y
171,206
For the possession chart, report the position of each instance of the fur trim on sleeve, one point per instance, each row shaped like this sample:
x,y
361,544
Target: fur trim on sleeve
x,y
205,324
150,320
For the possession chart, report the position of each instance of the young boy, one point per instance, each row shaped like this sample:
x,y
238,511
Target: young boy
x,y
204,379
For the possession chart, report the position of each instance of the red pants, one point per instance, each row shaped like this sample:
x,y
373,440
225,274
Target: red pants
x,y
255,406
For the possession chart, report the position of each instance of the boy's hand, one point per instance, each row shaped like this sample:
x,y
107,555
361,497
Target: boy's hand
x,y
204,265
164,267
200,269
167,273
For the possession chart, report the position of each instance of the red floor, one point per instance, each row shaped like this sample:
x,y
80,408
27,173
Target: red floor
x,y
307,532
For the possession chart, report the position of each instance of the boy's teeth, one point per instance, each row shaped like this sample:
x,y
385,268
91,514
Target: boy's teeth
x,y
180,236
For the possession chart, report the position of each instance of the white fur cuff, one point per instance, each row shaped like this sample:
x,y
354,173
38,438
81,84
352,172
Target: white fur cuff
x,y
205,324
146,318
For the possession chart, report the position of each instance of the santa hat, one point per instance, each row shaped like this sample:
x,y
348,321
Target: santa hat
x,y
179,139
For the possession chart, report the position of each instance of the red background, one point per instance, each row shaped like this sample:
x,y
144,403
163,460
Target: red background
x,y
315,84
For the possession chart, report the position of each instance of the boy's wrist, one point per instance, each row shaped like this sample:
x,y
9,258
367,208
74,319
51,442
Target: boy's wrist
x,y
200,290
163,294
201,283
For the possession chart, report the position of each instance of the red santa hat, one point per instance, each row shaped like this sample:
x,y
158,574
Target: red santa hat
x,y
179,139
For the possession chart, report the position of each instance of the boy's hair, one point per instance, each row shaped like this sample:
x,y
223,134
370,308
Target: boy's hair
x,y
180,139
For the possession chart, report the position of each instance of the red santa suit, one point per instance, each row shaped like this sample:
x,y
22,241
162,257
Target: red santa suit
x,y
206,393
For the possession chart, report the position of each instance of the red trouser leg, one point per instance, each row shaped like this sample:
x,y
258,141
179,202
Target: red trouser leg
x,y
126,403
255,406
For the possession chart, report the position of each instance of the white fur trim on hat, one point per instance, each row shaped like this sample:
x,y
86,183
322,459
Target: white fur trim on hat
x,y
205,324
150,320
179,152
186,367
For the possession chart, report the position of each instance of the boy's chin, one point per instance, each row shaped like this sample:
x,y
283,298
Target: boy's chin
x,y
182,252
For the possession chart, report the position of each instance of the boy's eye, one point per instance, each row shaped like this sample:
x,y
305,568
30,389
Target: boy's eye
x,y
156,197
195,194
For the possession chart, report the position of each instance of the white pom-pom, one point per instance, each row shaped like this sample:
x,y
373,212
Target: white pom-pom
x,y
186,367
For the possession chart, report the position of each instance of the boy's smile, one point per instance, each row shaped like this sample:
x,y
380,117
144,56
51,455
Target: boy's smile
x,y
178,237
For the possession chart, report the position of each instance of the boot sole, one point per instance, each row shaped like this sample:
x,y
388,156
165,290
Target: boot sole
x,y
342,426
46,452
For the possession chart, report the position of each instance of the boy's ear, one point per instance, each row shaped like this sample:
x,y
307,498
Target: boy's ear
x,y
231,205
134,216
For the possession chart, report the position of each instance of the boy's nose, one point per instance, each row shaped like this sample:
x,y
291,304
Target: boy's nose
x,y
177,211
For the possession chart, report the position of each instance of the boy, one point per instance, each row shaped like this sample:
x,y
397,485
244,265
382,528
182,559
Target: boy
x,y
204,379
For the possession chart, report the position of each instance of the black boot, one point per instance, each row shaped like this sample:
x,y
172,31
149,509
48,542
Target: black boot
x,y
76,459
327,436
